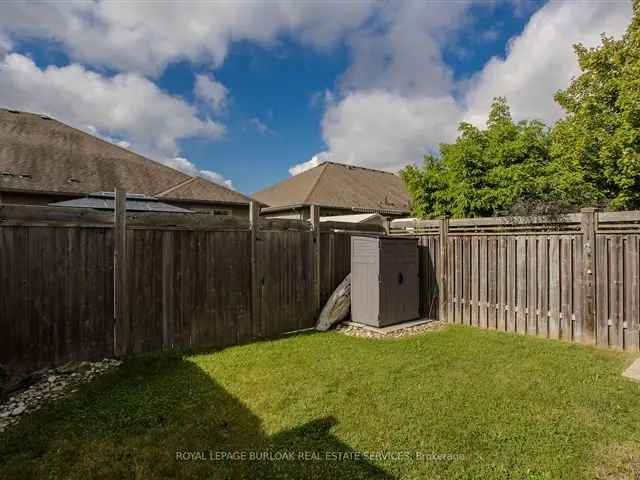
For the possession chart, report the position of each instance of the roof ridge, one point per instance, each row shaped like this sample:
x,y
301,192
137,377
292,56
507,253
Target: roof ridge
x,y
224,187
176,186
316,181
352,166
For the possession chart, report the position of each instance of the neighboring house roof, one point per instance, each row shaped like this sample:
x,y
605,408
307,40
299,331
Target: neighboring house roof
x,y
339,186
356,218
134,203
40,154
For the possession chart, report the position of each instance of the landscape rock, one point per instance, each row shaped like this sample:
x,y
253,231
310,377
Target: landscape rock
x,y
45,386
362,331
18,410
337,307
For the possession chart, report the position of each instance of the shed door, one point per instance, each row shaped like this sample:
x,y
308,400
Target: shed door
x,y
398,281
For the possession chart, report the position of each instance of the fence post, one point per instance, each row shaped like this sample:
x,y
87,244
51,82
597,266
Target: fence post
x,y
589,225
121,326
254,215
315,224
442,280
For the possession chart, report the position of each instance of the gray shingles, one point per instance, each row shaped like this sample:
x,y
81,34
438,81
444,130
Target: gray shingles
x,y
343,186
45,155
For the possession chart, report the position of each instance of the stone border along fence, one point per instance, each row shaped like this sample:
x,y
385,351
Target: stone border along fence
x,y
84,284
574,278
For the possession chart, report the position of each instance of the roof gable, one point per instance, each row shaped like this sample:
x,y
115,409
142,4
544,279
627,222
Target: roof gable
x,y
38,153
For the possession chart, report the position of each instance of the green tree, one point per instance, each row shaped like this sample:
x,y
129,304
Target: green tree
x,y
485,171
596,148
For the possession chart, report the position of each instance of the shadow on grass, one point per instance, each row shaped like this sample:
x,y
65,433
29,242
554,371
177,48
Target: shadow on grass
x,y
164,417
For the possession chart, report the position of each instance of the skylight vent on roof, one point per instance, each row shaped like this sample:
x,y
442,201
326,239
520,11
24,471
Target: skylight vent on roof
x,y
45,117
25,175
73,180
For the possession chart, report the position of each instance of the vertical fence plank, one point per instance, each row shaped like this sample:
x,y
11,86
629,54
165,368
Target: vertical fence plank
x,y
588,226
474,281
521,300
614,291
466,280
443,281
532,284
602,290
451,280
254,215
554,286
566,282
632,283
492,283
315,224
120,288
501,277
483,274
543,287
457,262
577,298
512,283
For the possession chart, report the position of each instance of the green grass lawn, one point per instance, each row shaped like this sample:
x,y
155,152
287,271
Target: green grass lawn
x,y
503,406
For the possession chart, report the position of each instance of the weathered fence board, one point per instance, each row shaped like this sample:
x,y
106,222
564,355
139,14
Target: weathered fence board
x,y
429,271
575,278
192,281
617,290
57,289
183,281
285,265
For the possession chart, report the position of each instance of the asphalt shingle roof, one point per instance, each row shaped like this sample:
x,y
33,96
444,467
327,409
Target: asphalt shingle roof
x,y
337,185
40,154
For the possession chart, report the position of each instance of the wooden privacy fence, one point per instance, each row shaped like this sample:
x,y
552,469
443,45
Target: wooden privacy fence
x,y
81,284
576,278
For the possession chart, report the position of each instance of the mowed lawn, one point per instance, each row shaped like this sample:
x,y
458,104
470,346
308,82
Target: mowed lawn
x,y
324,405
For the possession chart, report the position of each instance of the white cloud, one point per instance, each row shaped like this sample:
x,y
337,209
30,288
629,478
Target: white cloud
x,y
125,109
385,130
5,44
261,127
541,60
401,52
314,162
116,141
389,114
211,91
184,165
146,36
396,102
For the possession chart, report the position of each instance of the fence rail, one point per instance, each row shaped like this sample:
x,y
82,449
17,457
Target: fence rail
x,y
84,284
575,277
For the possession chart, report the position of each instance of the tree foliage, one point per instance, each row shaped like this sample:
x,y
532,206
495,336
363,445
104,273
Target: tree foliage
x,y
589,158
599,140
484,171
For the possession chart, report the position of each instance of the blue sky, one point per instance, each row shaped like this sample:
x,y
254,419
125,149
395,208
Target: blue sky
x,y
285,85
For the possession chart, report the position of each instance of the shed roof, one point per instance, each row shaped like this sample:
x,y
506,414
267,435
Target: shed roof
x,y
40,154
337,185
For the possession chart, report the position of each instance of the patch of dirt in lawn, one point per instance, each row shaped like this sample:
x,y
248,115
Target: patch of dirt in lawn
x,y
618,461
361,331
